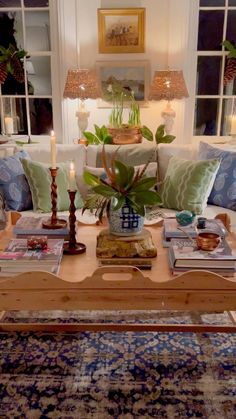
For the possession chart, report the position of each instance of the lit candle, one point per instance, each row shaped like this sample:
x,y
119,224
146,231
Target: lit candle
x,y
233,125
8,125
53,150
72,177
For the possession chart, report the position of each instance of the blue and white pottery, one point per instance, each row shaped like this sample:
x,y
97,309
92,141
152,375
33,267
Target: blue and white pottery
x,y
125,222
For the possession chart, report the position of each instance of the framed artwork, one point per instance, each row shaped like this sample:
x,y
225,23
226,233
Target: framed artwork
x,y
127,78
121,30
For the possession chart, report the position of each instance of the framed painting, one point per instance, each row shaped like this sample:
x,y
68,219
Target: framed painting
x,y
127,79
121,30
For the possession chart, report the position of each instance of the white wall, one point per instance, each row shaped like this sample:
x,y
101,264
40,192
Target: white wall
x,y
166,37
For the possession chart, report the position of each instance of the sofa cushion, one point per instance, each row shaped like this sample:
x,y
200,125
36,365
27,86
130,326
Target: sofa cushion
x,y
223,192
13,183
131,154
39,178
188,183
166,151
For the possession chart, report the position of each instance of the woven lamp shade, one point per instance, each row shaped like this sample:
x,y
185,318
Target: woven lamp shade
x,y
168,85
82,84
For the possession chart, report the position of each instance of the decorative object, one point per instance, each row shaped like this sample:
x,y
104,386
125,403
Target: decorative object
x,y
125,221
122,188
39,178
72,247
122,79
149,375
115,246
223,192
230,67
82,84
185,217
54,223
188,184
121,30
168,85
208,241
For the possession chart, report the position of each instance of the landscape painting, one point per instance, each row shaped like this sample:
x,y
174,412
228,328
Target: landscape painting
x,y
121,30
124,80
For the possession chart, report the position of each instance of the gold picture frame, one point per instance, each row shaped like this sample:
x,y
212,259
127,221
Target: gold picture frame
x,y
121,30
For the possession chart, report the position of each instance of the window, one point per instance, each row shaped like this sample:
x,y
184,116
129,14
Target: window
x,y
215,103
26,105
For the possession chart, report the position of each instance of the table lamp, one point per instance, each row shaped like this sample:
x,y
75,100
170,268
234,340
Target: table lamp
x,y
82,84
168,85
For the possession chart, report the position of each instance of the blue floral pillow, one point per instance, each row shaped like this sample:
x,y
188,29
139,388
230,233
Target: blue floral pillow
x,y
224,188
14,186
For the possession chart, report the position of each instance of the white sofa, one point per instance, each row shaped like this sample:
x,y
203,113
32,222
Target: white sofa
x,y
91,156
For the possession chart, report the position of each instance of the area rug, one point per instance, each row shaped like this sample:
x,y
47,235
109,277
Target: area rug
x,y
118,375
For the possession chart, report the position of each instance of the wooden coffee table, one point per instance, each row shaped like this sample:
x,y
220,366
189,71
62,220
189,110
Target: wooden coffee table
x,y
82,285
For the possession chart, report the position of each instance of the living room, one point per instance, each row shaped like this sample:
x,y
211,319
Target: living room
x,y
154,359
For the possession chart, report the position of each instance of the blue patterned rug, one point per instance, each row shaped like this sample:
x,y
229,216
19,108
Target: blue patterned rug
x,y
118,375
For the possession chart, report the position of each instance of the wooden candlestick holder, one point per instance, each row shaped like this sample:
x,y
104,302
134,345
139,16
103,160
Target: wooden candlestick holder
x,y
53,223
72,247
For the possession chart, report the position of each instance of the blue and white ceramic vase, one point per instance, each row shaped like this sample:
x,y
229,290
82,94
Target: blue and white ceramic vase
x,y
125,221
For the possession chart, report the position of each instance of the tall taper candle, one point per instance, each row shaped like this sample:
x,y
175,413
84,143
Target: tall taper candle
x,y
72,177
53,150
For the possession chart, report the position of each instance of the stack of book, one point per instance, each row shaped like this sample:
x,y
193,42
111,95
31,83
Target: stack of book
x,y
17,258
184,255
27,226
171,229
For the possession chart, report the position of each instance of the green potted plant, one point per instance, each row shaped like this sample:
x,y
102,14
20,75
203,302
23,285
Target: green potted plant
x,y
160,135
101,135
122,195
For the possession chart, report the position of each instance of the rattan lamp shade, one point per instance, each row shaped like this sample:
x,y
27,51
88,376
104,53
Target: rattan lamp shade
x,y
82,84
168,85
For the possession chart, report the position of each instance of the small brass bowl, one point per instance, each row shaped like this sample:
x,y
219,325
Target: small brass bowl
x,y
208,241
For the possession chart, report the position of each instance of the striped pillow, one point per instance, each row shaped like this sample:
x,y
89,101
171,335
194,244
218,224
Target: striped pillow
x,y
188,184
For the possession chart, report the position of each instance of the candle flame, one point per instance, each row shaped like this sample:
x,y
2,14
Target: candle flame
x,y
52,133
72,165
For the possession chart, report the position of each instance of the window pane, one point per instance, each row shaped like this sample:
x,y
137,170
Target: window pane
x,y
227,111
39,76
206,117
232,2
36,3
212,3
16,109
11,29
231,26
37,31
208,75
10,3
210,31
41,116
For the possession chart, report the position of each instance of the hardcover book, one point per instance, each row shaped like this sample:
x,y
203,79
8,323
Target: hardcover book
x,y
183,253
33,226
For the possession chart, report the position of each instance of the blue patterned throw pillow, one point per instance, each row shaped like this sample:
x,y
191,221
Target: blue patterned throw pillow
x,y
224,188
14,186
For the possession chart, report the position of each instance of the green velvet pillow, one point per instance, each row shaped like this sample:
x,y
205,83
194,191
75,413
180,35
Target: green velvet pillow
x,y
188,184
39,179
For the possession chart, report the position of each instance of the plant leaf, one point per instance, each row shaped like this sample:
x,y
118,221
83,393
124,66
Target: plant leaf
x,y
117,201
147,133
160,132
147,198
139,208
121,173
91,179
104,190
92,139
166,139
144,184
